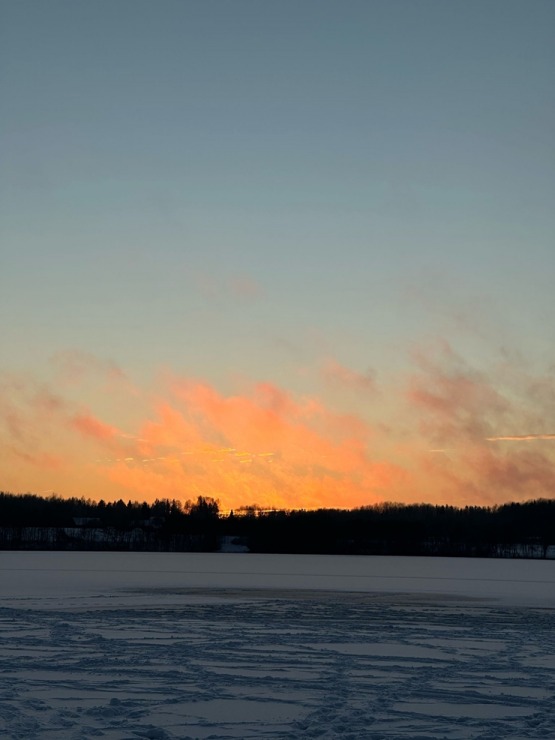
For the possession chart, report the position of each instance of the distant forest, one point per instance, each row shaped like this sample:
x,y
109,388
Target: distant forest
x,y
511,530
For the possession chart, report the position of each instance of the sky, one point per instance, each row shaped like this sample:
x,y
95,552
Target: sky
x,y
295,254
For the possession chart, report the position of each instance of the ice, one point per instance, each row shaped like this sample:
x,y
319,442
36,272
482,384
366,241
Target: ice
x,y
164,646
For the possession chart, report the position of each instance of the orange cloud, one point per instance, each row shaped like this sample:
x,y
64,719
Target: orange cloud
x,y
265,447
88,426
38,441
41,460
268,446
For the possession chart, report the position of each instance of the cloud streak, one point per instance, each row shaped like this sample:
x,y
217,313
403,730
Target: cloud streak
x,y
521,438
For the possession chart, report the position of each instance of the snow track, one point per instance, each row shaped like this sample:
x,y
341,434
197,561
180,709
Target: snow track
x,y
185,662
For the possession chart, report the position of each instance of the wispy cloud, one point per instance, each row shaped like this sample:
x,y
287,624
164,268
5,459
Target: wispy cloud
x,y
520,437
340,375
38,428
74,365
454,401
244,286
236,287
460,409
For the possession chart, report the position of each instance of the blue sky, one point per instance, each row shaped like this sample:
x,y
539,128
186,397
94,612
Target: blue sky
x,y
252,192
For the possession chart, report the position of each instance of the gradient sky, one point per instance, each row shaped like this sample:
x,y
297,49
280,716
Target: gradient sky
x,y
295,253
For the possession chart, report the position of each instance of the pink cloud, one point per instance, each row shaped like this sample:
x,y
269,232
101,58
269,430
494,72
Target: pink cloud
x,y
454,401
243,286
74,365
214,286
469,414
89,426
342,376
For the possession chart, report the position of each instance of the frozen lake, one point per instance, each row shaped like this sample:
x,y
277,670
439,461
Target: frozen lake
x,y
160,645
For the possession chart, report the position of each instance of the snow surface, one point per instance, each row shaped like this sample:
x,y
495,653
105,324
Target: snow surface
x,y
158,645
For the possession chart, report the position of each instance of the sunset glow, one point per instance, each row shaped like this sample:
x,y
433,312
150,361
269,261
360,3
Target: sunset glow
x,y
273,448
296,255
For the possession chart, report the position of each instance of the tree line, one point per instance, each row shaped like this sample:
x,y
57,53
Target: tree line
x,y
29,521
509,530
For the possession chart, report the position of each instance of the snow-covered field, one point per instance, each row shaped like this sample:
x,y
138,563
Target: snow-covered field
x,y
156,645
